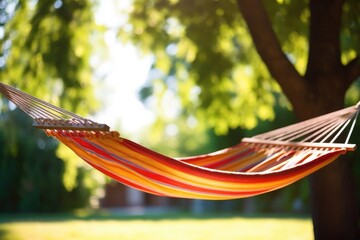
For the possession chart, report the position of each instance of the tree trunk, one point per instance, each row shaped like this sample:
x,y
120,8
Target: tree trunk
x,y
334,207
333,202
333,194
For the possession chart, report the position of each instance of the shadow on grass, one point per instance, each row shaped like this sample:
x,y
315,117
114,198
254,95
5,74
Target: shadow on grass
x,y
106,215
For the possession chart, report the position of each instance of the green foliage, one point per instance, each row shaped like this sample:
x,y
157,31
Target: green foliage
x,y
31,173
350,37
352,96
207,49
45,50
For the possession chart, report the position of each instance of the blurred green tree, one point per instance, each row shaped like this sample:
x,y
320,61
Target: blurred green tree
x,y
222,65
31,175
45,50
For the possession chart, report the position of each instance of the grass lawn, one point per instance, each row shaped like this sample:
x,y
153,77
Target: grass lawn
x,y
167,227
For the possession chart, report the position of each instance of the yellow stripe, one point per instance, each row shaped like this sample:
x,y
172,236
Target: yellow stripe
x,y
188,178
151,164
170,172
135,177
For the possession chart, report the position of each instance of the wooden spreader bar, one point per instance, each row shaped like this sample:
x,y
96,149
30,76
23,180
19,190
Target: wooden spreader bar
x,y
70,124
348,147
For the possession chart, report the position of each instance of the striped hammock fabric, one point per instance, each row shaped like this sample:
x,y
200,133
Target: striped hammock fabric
x,y
256,165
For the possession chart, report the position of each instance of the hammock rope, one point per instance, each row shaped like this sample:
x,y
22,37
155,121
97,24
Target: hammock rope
x,y
46,115
256,165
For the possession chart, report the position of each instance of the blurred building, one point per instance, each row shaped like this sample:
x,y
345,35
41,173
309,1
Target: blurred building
x,y
117,195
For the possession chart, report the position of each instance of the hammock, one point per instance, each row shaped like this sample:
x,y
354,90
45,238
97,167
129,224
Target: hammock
x,y
256,165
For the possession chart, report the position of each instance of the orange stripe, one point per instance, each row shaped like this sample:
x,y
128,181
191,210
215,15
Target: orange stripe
x,y
171,177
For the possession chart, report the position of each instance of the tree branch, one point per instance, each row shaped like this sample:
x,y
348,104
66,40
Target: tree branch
x,y
324,43
270,50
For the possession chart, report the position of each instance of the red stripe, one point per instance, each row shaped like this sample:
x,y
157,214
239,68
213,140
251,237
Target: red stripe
x,y
236,177
233,177
160,178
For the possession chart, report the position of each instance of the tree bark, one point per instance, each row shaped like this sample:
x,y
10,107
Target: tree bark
x,y
333,193
322,89
333,202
